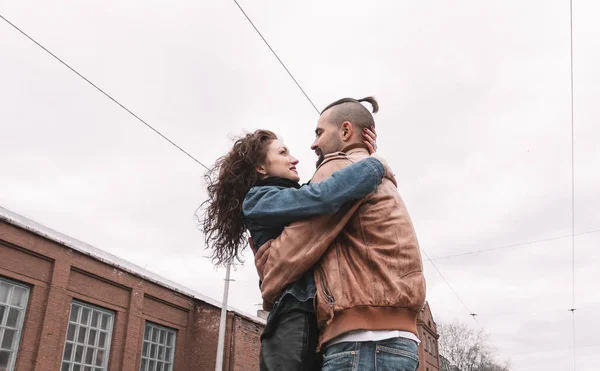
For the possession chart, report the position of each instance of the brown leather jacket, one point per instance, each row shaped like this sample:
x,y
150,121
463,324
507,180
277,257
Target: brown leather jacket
x,y
367,264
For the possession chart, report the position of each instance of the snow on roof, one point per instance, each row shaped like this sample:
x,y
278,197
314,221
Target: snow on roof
x,y
89,250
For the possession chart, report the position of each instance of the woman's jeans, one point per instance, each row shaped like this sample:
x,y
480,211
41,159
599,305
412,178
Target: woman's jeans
x,y
289,342
397,354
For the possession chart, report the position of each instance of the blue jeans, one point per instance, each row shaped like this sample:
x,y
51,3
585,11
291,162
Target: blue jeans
x,y
397,354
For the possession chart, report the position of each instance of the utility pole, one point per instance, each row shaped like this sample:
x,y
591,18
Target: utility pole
x,y
221,340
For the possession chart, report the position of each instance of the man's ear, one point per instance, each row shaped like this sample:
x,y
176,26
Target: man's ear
x,y
347,131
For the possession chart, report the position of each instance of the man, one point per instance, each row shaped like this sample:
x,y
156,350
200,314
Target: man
x,y
367,265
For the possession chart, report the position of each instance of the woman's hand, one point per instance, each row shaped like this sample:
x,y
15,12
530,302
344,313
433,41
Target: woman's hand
x,y
370,139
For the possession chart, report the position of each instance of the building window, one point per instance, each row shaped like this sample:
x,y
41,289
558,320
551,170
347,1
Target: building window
x,y
425,343
433,347
88,338
158,349
13,302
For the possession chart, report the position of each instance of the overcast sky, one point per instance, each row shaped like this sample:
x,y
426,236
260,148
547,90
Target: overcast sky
x,y
474,119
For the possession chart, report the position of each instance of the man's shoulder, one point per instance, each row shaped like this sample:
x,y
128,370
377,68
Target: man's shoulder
x,y
342,159
332,163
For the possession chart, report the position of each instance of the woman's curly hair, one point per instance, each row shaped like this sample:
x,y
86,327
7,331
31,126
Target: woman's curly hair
x,y
222,222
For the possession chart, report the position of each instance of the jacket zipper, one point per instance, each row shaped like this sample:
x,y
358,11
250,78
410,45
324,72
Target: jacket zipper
x,y
330,298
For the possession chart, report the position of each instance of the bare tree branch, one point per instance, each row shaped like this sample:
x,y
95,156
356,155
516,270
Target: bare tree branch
x,y
467,349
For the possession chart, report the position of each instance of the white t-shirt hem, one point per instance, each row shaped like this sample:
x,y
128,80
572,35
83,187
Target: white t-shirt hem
x,y
358,336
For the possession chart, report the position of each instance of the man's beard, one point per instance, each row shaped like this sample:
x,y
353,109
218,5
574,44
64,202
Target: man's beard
x,y
321,158
334,145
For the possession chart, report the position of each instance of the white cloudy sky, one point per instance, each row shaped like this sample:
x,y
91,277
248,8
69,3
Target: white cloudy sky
x,y
475,121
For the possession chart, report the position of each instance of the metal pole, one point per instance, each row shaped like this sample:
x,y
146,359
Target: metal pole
x,y
221,340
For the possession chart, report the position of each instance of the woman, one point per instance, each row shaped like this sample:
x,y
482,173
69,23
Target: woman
x,y
257,189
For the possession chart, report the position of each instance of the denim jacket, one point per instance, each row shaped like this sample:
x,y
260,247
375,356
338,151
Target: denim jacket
x,y
268,209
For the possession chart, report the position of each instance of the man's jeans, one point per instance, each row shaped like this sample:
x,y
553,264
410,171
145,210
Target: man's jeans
x,y
397,354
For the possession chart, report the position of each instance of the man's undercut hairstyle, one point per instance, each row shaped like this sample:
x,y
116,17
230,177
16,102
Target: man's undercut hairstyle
x,y
351,110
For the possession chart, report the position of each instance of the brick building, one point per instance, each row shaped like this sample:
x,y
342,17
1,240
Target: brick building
x,y
65,305
428,349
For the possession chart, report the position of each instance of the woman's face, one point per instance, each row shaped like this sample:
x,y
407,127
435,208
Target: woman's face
x,y
279,162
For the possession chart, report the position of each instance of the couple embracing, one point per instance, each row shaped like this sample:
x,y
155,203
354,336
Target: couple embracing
x,y
338,259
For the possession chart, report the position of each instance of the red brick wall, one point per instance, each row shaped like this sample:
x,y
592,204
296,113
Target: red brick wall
x,y
57,275
246,344
428,359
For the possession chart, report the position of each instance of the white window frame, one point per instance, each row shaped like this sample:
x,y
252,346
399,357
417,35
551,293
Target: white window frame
x,y
148,342
20,321
72,364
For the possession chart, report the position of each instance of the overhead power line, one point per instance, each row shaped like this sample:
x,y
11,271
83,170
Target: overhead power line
x,y
276,56
469,312
537,312
572,182
510,246
103,92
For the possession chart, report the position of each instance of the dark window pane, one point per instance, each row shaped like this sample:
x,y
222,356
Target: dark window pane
x,y
145,349
105,321
2,311
153,350
68,351
147,333
4,288
143,365
155,335
79,353
89,356
159,366
4,359
65,367
151,365
170,339
162,336
8,339
95,316
19,297
92,338
87,368
76,368
102,340
85,316
81,335
99,358
74,312
168,354
13,317
71,332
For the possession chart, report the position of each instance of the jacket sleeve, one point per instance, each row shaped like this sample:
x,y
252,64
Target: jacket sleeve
x,y
270,206
302,243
